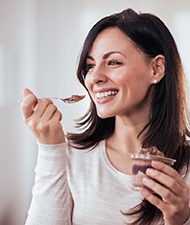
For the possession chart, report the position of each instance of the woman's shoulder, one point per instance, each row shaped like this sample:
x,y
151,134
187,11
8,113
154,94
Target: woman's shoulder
x,y
85,156
83,159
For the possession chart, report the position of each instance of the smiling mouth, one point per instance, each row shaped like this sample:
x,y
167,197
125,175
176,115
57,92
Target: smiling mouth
x,y
105,94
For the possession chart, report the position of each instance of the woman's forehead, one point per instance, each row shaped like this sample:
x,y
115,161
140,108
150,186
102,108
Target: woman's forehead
x,y
112,40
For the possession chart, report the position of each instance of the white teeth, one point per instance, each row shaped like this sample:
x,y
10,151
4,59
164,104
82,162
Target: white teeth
x,y
106,94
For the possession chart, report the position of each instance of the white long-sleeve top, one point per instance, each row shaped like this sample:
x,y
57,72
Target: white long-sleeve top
x,y
79,187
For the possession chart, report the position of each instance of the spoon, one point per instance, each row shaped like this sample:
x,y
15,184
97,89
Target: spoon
x,y
71,99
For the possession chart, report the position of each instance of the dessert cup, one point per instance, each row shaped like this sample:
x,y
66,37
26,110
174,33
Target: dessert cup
x,y
140,163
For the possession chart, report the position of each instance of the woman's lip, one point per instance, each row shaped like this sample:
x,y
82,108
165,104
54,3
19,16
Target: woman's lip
x,y
104,90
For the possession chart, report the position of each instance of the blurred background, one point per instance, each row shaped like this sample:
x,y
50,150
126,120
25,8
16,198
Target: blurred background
x,y
40,41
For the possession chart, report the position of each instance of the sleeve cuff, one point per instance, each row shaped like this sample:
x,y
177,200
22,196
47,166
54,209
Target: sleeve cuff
x,y
51,158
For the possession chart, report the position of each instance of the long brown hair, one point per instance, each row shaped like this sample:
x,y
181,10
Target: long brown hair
x,y
167,128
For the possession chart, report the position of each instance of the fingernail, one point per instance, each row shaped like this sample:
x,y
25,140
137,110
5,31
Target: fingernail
x,y
146,180
155,163
150,172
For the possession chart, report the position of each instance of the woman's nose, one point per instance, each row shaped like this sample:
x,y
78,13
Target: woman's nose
x,y
98,75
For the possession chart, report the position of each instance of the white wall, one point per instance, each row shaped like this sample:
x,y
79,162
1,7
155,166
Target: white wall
x,y
39,44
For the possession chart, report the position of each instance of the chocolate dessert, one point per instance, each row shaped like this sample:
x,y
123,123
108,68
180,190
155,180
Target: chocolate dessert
x,y
142,161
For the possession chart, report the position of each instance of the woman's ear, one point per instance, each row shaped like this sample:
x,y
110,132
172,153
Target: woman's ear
x,y
158,66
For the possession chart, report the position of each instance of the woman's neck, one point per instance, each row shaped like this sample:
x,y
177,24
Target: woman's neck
x,y
124,141
126,135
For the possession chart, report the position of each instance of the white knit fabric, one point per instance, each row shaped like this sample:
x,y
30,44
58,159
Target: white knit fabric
x,y
79,187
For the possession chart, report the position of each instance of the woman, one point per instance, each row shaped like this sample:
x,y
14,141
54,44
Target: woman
x,y
132,71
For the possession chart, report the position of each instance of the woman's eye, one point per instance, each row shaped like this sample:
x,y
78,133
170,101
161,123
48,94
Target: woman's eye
x,y
89,66
113,63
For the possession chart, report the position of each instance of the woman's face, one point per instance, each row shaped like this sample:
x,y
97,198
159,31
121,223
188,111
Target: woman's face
x,y
119,75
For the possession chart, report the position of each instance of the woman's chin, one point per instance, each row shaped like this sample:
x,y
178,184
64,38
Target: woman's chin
x,y
104,115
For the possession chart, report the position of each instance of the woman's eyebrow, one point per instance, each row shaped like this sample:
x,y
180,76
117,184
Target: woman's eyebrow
x,y
110,53
106,55
90,57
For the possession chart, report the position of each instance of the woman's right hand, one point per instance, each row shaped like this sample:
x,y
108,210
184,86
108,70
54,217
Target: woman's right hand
x,y
43,118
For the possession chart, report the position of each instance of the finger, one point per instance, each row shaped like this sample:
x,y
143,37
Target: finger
x,y
153,199
168,170
49,112
54,122
42,107
28,105
166,194
168,182
50,132
26,92
170,211
57,116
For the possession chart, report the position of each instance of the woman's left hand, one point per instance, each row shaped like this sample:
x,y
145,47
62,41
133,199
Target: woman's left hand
x,y
174,192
